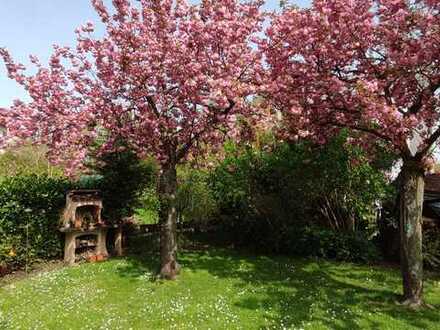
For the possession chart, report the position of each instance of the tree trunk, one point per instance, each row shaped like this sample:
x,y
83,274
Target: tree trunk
x,y
411,259
169,268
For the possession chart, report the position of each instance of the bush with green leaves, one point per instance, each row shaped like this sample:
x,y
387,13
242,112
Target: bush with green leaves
x,y
313,241
268,195
149,205
30,208
122,178
194,199
431,248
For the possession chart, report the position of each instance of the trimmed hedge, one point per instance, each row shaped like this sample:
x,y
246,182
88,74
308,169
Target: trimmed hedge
x,y
30,207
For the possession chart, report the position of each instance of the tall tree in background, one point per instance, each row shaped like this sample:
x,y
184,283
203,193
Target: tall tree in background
x,y
374,67
164,75
122,178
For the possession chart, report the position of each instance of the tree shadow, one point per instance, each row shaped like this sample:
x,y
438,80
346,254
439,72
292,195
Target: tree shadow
x,y
136,266
300,286
297,291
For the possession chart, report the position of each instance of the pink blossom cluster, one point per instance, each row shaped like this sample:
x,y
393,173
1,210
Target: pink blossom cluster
x,y
164,77
170,77
369,65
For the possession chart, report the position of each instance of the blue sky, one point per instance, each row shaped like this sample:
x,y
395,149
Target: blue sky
x,y
33,26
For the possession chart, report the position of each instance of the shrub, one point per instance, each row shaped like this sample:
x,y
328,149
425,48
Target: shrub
x,y
431,248
122,178
30,208
194,199
272,196
332,185
149,206
325,243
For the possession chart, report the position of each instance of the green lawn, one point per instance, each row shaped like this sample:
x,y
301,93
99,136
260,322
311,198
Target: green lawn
x,y
218,289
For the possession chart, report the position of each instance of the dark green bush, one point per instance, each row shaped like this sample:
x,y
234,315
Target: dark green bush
x,y
122,178
325,243
431,248
30,208
332,185
274,196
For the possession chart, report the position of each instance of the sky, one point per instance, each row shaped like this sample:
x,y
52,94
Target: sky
x,y
31,27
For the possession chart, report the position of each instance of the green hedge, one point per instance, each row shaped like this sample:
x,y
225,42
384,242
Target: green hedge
x,y
30,205
30,208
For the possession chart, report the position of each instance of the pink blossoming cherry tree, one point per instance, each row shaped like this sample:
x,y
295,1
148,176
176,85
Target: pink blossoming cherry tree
x,y
374,67
163,77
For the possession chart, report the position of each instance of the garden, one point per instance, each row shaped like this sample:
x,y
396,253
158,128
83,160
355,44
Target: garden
x,y
221,165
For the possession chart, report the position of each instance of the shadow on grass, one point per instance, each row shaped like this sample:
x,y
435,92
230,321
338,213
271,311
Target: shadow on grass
x,y
138,266
300,291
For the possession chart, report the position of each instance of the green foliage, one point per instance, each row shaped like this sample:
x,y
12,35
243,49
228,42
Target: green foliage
x,y
148,210
431,248
29,218
349,186
31,194
122,179
266,196
324,243
194,199
26,160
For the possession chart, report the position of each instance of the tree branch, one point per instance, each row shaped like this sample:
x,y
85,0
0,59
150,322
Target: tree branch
x,y
214,120
428,144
